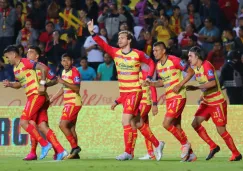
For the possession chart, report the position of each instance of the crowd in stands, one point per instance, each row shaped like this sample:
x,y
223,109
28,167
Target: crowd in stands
x,y
60,26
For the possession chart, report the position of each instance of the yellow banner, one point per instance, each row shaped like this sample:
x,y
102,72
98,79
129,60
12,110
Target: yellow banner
x,y
100,132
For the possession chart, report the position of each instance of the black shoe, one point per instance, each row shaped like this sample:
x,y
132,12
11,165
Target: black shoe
x,y
75,151
237,158
76,156
213,152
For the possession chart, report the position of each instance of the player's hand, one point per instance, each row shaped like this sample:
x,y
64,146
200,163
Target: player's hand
x,y
42,89
145,84
191,88
6,83
155,110
177,88
113,106
91,26
60,80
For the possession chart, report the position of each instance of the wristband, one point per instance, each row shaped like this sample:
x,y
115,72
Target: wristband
x,y
42,82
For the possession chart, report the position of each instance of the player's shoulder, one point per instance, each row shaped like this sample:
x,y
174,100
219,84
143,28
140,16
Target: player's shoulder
x,y
173,58
75,70
207,65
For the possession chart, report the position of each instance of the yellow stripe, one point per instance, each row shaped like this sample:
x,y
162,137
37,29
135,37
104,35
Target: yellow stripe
x,y
33,102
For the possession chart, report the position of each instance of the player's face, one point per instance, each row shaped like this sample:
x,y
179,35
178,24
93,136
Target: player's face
x,y
192,58
66,63
158,52
11,57
32,55
123,41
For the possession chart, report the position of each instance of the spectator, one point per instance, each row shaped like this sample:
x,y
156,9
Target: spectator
x,y
54,50
7,21
87,72
232,77
191,17
130,21
21,18
208,34
238,40
43,59
27,36
111,20
216,57
92,10
83,32
175,21
103,33
183,38
74,48
140,8
148,47
182,5
21,51
94,52
229,42
240,23
53,14
105,70
229,8
192,41
173,48
46,36
114,40
37,15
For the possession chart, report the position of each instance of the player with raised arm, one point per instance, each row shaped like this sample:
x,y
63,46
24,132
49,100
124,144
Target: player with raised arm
x,y
213,104
34,54
128,62
70,81
169,70
24,71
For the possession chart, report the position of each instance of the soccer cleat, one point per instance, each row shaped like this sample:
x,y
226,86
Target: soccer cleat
x,y
62,155
192,157
236,158
124,156
159,150
45,150
76,156
30,156
185,151
147,157
55,156
73,153
213,152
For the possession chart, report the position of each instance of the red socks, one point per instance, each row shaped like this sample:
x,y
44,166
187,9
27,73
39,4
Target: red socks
x,y
179,134
33,145
35,134
147,133
134,138
51,137
128,137
230,143
72,140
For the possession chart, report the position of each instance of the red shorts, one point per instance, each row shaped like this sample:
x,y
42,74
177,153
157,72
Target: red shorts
x,y
144,110
42,113
70,112
131,101
175,107
32,107
217,112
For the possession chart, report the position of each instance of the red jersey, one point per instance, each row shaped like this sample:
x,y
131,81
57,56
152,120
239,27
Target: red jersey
x,y
127,65
205,74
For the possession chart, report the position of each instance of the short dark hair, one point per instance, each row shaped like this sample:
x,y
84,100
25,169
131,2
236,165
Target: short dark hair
x,y
160,44
176,7
11,48
37,49
198,51
84,58
67,55
50,22
71,35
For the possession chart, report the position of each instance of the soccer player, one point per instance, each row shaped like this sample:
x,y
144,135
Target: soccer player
x,y
24,71
34,54
128,62
72,103
213,104
169,69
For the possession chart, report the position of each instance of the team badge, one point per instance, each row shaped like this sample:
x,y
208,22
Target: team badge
x,y
210,73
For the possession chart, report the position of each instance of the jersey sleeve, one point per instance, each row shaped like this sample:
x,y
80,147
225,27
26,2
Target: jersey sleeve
x,y
119,100
153,94
143,57
50,75
180,64
76,78
209,72
29,64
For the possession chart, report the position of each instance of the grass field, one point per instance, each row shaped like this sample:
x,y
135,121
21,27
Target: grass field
x,y
167,164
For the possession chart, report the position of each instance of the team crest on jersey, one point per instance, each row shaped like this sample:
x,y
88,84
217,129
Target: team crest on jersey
x,y
182,63
77,79
146,56
210,72
51,73
32,61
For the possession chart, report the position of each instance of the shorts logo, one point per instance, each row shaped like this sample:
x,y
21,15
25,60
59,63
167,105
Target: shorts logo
x,y
77,79
210,73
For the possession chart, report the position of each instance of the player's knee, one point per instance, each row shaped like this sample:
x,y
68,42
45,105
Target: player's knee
x,y
23,123
221,130
195,124
166,125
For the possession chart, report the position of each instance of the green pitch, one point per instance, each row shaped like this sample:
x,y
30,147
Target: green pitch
x,y
167,164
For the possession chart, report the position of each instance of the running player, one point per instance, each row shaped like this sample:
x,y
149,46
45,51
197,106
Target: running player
x,y
213,104
34,54
72,103
169,69
128,62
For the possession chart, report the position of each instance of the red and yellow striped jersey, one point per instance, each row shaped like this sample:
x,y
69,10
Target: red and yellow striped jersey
x,y
171,74
72,76
50,75
127,65
205,74
149,93
25,73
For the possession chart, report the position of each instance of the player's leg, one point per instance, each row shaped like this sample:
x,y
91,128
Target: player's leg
x,y
32,154
202,115
73,130
219,117
134,135
68,120
174,110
